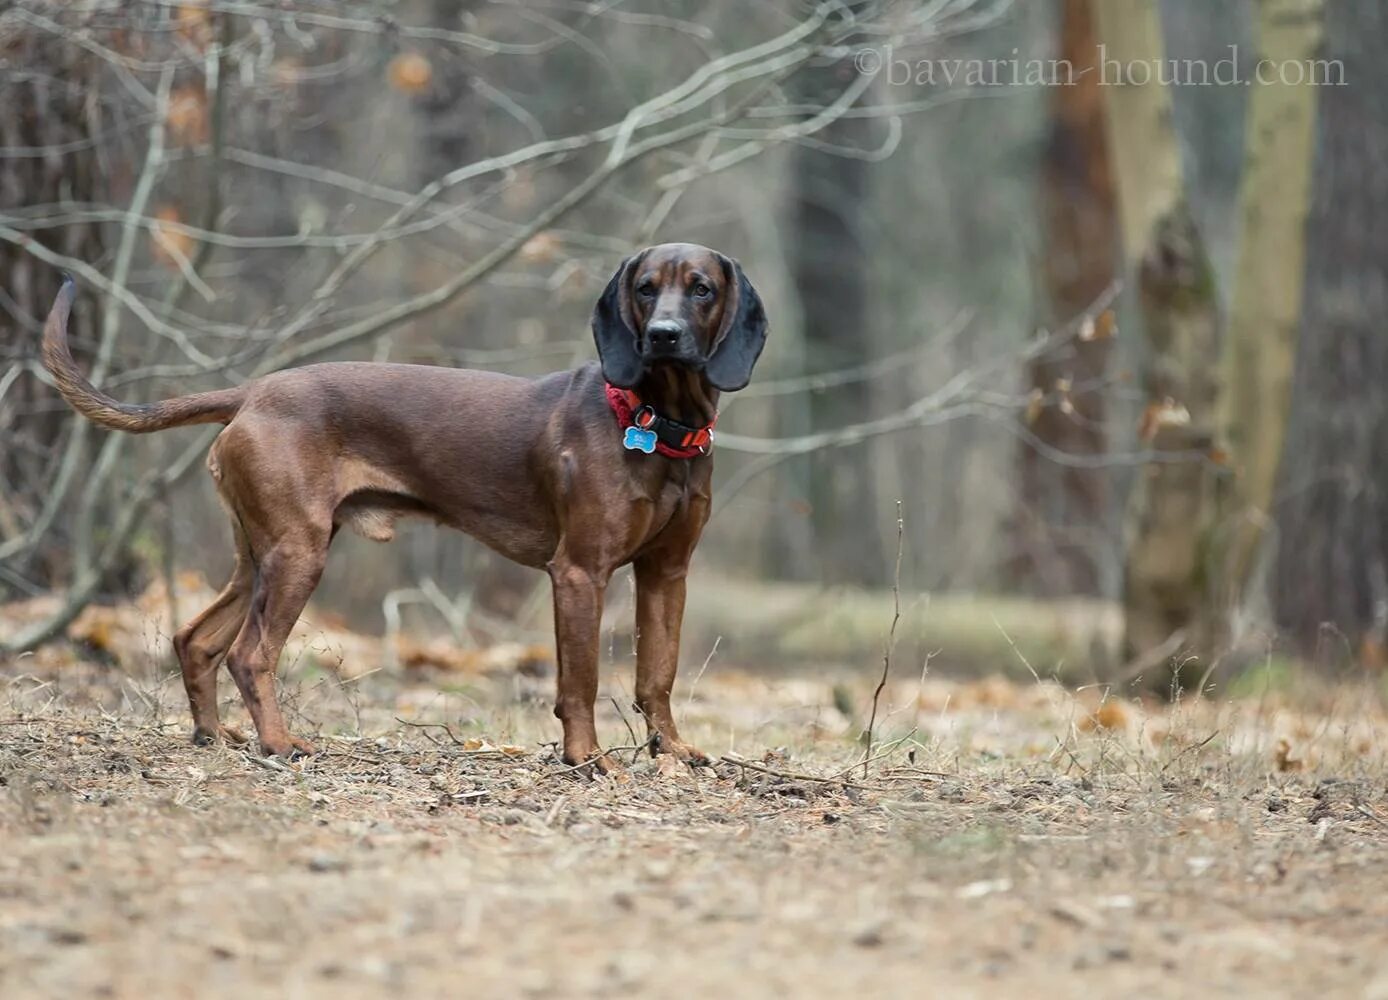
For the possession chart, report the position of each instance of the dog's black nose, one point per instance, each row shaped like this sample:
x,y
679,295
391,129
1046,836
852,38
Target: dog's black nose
x,y
663,335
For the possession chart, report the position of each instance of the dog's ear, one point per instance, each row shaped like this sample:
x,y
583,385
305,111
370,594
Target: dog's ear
x,y
742,335
614,328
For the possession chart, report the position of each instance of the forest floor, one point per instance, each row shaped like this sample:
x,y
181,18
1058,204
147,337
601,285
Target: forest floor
x,y
1011,837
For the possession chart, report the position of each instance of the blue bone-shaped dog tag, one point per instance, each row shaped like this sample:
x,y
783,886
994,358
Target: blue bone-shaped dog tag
x,y
639,439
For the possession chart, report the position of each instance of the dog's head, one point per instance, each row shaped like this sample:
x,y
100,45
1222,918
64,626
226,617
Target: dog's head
x,y
683,304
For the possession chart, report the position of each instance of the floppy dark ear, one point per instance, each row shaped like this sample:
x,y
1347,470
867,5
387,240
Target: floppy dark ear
x,y
613,329
743,334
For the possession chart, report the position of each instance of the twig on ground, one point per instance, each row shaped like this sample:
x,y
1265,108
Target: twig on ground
x,y
891,637
570,768
911,773
1151,659
1019,654
269,763
432,725
1190,749
1063,746
689,699
890,749
798,776
623,716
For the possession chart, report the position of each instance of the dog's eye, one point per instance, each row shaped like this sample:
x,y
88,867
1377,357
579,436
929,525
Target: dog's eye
x,y
645,290
702,290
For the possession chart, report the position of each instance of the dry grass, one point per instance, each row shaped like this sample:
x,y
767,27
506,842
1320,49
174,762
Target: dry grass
x,y
1012,837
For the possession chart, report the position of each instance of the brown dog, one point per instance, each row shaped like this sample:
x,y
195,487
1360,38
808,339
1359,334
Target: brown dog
x,y
577,473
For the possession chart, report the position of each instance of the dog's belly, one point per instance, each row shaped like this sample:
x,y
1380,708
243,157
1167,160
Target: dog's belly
x,y
504,512
373,513
519,539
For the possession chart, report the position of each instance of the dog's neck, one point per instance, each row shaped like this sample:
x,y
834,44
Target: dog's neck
x,y
679,393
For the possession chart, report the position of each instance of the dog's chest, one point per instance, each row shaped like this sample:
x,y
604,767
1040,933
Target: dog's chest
x,y
670,498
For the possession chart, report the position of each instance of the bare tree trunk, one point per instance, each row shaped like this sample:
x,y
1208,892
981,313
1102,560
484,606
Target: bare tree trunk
x,y
1330,583
1146,157
829,265
1172,508
1175,503
1261,346
1060,507
47,105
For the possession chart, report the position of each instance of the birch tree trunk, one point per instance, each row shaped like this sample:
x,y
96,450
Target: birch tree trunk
x,y
1260,349
1172,507
1146,158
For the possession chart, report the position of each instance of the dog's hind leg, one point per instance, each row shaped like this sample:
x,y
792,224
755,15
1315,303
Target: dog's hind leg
x,y
201,644
285,578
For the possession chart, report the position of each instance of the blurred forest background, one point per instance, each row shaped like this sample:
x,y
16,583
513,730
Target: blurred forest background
x,y
1114,339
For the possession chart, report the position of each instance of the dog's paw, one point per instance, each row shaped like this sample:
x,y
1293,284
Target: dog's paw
x,y
288,748
223,734
596,763
680,750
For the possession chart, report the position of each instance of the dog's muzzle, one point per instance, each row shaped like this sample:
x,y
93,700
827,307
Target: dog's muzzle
x,y
667,340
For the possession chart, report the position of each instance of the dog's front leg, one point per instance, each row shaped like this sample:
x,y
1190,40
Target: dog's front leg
x,y
660,590
578,596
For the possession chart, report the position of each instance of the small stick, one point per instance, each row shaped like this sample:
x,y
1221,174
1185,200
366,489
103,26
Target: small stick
x,y
270,764
570,768
912,774
1371,813
797,776
707,660
432,725
1190,749
618,706
891,638
330,752
891,749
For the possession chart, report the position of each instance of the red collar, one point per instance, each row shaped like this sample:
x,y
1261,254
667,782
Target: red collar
x,y
668,437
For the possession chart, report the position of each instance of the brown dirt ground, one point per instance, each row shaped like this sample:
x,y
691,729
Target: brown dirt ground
x,y
1014,838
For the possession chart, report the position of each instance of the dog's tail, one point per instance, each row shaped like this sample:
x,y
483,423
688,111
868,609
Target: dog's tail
x,y
200,408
